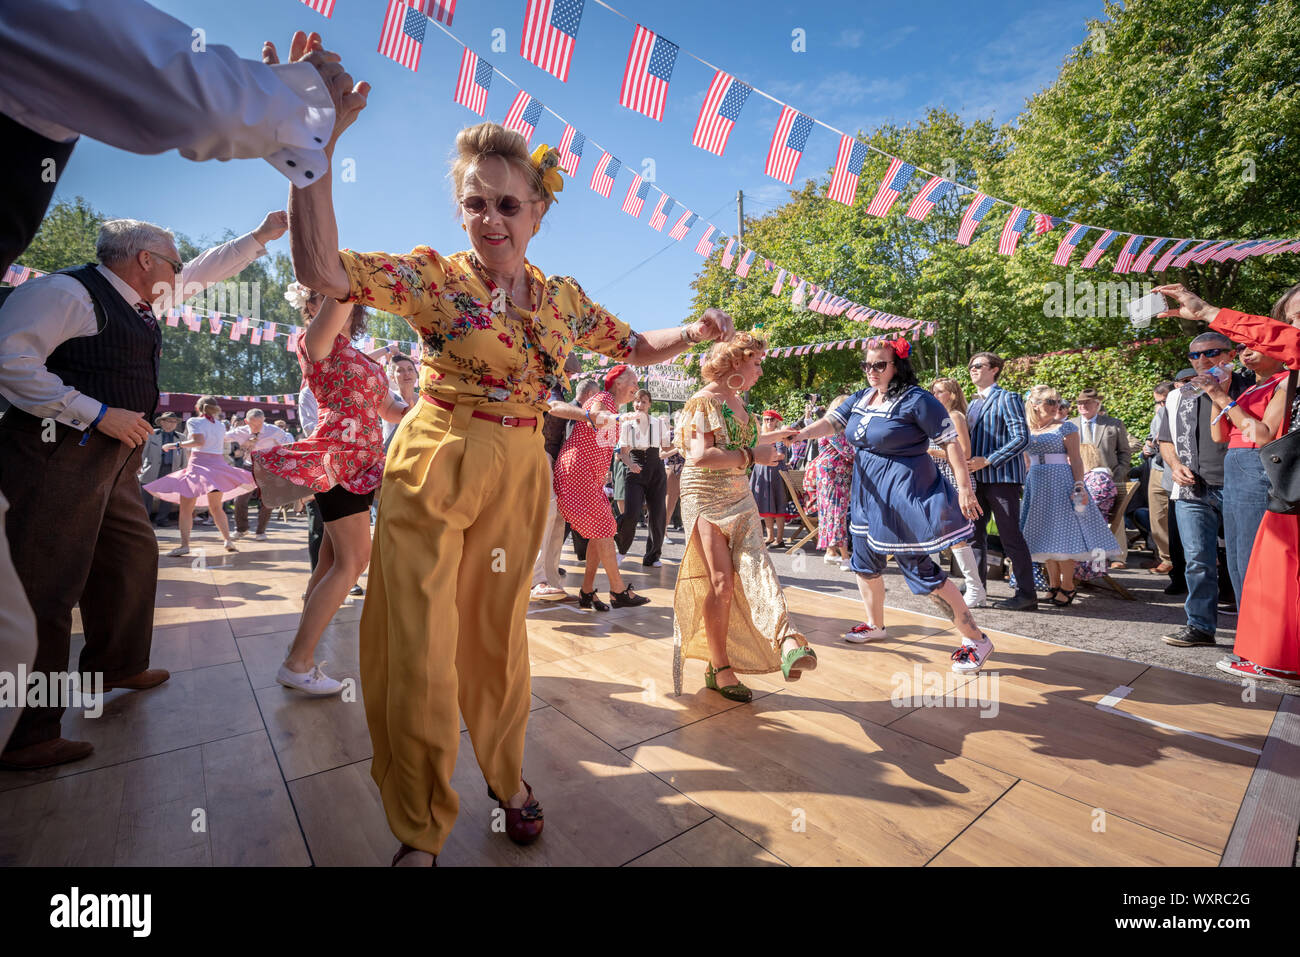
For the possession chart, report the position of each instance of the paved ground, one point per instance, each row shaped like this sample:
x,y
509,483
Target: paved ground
x,y
1097,621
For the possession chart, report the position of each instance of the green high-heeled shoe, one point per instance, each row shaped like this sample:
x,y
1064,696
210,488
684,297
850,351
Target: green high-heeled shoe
x,y
793,657
736,692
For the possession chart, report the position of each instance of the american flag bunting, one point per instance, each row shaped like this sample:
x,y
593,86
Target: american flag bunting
x,y
1187,257
897,176
637,191
550,31
683,225
1099,248
571,144
602,177
649,68
1143,261
1066,247
745,262
979,208
473,82
1044,223
403,35
1015,225
934,190
663,209
524,113
788,141
705,246
726,253
1163,263
1124,262
442,10
780,281
323,7
848,170
718,114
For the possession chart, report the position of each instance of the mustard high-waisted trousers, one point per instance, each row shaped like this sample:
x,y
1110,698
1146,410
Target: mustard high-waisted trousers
x,y
461,513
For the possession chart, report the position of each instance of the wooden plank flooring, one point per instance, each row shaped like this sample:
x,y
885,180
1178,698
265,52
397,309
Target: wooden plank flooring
x,y
881,756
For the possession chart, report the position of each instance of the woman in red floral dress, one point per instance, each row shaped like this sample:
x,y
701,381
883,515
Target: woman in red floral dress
x,y
342,462
580,491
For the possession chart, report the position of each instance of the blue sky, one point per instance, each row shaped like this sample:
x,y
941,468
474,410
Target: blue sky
x,y
865,63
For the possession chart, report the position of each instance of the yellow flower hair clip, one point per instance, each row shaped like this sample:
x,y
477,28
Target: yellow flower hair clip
x,y
547,162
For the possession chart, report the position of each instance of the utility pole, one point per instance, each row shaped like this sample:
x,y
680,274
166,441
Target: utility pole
x,y
740,214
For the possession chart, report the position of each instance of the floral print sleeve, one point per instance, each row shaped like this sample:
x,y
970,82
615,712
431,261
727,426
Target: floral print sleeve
x,y
591,325
403,285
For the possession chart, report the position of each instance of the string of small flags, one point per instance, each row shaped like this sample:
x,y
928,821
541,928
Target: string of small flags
x,y
549,38
548,42
287,400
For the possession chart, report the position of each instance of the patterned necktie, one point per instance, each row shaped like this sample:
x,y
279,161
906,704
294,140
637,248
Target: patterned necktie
x,y
146,313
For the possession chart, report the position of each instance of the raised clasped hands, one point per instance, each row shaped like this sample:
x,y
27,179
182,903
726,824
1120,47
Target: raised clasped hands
x,y
349,97
714,325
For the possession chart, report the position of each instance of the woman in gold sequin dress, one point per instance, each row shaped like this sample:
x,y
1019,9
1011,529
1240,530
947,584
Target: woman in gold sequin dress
x,y
728,606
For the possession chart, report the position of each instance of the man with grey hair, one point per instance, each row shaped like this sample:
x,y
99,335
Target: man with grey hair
x,y
255,435
1195,464
79,359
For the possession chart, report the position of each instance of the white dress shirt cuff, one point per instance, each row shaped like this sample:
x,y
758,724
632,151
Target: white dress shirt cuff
x,y
303,160
80,412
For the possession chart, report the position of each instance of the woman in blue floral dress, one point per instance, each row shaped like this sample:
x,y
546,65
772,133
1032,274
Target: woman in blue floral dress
x,y
1060,523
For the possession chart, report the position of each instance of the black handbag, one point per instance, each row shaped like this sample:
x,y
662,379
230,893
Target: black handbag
x,y
1281,460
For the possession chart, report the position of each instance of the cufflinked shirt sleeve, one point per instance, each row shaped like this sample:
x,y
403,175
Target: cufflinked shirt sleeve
x,y
1013,414
129,75
219,263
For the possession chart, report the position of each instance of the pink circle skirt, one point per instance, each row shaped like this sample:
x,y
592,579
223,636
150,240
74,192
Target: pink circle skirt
x,y
207,472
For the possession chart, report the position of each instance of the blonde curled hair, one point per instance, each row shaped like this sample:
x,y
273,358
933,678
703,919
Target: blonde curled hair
x,y
474,143
723,357
836,402
1036,395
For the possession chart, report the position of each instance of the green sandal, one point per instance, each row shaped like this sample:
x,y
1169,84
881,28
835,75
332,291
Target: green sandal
x,y
794,655
736,692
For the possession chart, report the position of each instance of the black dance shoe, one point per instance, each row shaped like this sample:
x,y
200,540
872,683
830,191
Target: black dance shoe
x,y
625,598
588,599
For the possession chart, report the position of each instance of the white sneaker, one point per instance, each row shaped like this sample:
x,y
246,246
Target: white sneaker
x,y
970,657
861,634
178,551
260,537
239,534
230,546
314,682
656,564
830,559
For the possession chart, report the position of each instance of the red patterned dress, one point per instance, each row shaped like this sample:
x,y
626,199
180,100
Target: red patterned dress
x,y
580,474
347,447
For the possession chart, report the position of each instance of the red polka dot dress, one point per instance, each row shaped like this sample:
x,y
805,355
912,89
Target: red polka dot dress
x,y
580,473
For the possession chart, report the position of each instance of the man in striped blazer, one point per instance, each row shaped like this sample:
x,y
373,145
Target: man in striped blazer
x,y
999,433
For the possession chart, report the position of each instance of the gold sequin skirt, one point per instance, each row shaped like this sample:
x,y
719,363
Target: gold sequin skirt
x,y
759,621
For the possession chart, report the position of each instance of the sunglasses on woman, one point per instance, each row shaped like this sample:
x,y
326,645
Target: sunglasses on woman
x,y
1208,353
507,205
880,366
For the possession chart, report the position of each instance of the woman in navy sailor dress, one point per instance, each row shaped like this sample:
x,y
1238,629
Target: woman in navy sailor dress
x,y
900,503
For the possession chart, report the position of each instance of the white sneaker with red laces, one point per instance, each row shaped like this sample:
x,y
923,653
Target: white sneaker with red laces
x,y
1248,669
970,657
861,634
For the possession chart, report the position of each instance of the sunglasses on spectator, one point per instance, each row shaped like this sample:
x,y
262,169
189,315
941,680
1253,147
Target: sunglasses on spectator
x,y
1208,353
979,365
176,267
880,366
507,205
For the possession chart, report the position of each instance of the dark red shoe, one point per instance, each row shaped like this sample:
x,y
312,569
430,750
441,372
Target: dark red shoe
x,y
407,849
524,824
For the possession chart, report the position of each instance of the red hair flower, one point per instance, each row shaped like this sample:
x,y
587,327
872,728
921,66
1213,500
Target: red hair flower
x,y
902,348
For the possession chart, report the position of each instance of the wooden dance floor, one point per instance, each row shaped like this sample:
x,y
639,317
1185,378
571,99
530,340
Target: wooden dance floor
x,y
881,756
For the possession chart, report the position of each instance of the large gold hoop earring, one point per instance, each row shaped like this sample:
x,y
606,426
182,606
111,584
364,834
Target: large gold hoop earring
x,y
735,375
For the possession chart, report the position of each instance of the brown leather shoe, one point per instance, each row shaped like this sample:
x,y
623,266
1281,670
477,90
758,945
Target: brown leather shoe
x,y
407,849
149,678
47,754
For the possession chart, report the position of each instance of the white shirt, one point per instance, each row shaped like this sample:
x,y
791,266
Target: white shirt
x,y
268,438
984,393
307,410
212,433
42,314
1089,429
127,74
640,431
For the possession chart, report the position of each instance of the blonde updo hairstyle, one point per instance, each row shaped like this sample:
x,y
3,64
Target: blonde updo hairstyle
x,y
1033,401
723,357
475,143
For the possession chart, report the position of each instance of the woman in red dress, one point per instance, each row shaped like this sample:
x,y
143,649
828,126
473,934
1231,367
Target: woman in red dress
x,y
342,462
1268,621
580,490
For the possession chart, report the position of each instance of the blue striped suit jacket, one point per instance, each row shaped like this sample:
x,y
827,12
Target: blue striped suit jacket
x,y
1000,436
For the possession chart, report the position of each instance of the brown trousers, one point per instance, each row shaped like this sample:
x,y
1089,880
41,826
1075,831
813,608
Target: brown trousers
x,y
79,535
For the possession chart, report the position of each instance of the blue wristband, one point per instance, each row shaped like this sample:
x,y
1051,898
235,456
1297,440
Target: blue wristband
x,y
103,411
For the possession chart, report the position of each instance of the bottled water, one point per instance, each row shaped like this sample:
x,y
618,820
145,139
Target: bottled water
x,y
1079,497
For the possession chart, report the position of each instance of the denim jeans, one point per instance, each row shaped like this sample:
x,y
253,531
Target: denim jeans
x,y
1198,527
1245,500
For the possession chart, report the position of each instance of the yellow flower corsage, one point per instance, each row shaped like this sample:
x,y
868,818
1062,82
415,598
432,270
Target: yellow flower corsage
x,y
547,161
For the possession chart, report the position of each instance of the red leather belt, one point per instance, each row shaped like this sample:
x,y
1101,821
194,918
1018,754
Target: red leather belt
x,y
509,421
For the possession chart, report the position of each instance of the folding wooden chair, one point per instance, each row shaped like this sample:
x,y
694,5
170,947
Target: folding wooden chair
x,y
794,482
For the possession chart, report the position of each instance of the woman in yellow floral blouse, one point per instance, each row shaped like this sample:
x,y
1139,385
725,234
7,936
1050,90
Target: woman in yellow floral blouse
x,y
728,607
464,494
